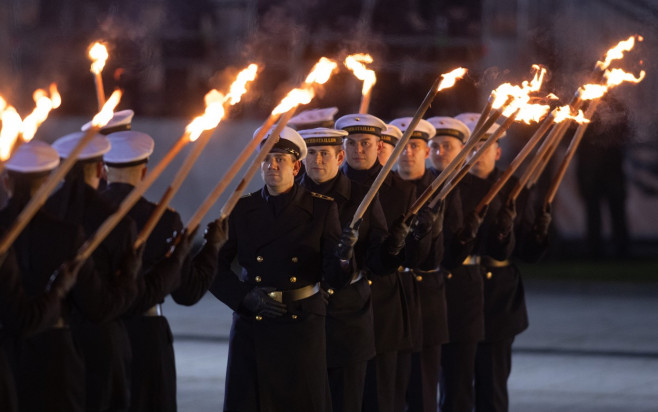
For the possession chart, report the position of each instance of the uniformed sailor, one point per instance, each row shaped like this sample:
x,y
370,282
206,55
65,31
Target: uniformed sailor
x,y
390,137
153,383
350,334
451,135
285,239
362,145
49,369
105,345
419,364
310,119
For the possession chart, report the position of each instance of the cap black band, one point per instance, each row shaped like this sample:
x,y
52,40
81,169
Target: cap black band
x,y
419,135
324,141
358,129
119,128
452,133
392,140
285,146
127,164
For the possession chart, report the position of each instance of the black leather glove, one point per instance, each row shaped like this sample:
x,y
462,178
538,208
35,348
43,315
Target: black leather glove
x,y
472,224
63,279
397,236
505,220
346,242
131,264
258,302
543,222
217,232
427,218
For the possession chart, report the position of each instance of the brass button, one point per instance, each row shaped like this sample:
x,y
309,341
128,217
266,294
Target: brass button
x,y
259,317
449,276
419,278
258,279
331,291
295,259
259,259
293,279
489,275
369,282
294,316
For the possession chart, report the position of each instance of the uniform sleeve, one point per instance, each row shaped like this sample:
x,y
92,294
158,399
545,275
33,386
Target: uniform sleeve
x,y
101,292
20,314
335,274
158,279
197,276
227,287
378,260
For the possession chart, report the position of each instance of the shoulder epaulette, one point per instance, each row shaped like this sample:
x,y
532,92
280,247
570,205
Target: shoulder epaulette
x,y
321,196
247,195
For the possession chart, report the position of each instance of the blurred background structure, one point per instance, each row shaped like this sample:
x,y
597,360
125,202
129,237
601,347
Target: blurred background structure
x,y
166,54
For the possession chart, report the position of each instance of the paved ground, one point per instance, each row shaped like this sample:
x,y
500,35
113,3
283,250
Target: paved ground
x,y
590,347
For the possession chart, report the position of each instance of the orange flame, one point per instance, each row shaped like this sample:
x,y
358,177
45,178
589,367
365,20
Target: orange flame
x,y
106,113
98,55
211,117
563,113
320,74
615,77
529,112
239,86
293,99
617,52
592,91
449,79
3,104
43,106
11,128
322,71
355,62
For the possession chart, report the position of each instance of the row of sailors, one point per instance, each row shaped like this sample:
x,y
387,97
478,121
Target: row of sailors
x,y
367,319
407,309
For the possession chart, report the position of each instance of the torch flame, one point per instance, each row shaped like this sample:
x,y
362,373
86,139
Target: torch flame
x,y
98,55
319,75
615,77
355,62
11,127
563,113
3,104
239,86
55,97
106,113
294,98
529,112
592,91
449,79
617,52
210,118
43,106
321,71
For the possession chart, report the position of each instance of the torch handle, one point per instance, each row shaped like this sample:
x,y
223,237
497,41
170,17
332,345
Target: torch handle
x,y
571,151
133,197
459,175
365,102
520,157
485,113
169,193
255,165
210,200
41,195
100,91
399,147
449,172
